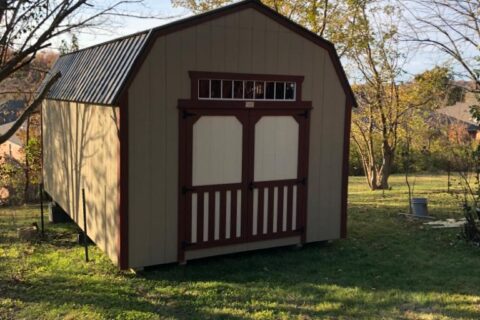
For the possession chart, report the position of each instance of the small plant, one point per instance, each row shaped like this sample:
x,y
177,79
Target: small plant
x,y
470,230
468,182
467,157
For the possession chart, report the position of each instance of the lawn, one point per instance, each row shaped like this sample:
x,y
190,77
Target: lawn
x,y
388,268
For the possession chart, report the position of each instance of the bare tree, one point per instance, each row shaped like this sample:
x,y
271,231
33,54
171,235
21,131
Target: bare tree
x,y
452,26
28,26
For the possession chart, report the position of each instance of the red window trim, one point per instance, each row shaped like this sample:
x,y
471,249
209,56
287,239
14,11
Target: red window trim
x,y
195,76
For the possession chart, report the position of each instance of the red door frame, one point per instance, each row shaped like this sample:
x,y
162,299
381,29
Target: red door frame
x,y
248,118
191,110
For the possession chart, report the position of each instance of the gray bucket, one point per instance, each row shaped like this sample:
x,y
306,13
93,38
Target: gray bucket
x,y
419,207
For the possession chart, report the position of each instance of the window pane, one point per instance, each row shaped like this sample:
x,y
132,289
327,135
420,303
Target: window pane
x,y
280,90
203,88
215,90
248,89
259,90
290,92
238,90
227,89
270,91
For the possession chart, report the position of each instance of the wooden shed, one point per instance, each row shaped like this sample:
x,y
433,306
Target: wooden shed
x,y
223,132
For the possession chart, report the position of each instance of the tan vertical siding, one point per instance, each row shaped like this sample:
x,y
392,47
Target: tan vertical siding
x,y
245,42
81,150
158,145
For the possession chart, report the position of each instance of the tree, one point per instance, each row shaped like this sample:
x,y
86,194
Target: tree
x,y
27,27
66,47
334,20
385,102
376,123
453,27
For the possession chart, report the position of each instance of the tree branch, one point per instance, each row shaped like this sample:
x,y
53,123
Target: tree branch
x,y
30,109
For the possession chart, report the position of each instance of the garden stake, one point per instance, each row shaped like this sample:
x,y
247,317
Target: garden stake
x,y
85,226
41,209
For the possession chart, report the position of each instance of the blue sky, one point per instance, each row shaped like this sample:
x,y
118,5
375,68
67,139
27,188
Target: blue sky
x,y
422,59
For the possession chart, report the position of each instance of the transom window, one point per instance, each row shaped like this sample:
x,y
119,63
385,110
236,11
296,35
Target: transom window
x,y
219,89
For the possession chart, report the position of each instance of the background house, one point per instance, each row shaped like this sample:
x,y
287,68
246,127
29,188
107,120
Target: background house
x,y
459,119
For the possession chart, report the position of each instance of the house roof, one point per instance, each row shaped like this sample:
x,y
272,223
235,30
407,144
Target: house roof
x,y
9,110
102,73
460,112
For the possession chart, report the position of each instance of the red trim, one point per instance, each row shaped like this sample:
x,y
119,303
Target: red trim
x,y
259,104
218,13
196,75
123,192
346,154
248,117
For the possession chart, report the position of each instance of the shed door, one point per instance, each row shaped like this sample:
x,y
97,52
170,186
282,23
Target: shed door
x,y
243,176
278,173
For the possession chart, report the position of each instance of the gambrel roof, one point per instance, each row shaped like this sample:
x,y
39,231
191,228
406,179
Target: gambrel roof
x,y
102,73
96,74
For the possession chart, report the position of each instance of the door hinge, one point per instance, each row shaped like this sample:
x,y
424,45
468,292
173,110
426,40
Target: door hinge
x,y
303,181
250,186
185,190
185,244
304,114
186,114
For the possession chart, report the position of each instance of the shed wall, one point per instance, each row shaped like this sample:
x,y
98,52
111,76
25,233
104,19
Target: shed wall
x,y
243,42
81,149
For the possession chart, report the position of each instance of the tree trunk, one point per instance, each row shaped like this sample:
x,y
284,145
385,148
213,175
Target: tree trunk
x,y
370,173
386,169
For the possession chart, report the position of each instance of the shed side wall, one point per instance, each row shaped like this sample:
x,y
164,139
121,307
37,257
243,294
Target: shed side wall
x,y
243,42
81,148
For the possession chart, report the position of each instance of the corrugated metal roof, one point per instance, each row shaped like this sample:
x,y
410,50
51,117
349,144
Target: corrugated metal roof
x,y
96,74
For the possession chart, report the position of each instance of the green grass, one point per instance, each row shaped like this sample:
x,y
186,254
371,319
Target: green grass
x,y
389,267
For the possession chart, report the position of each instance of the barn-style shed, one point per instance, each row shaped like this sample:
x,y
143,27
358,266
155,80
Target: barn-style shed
x,y
223,132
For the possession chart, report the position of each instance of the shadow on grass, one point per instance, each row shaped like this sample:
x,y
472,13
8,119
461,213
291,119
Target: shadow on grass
x,y
353,283
388,268
346,278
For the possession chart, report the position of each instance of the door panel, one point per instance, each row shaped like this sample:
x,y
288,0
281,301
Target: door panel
x,y
217,150
279,173
276,148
